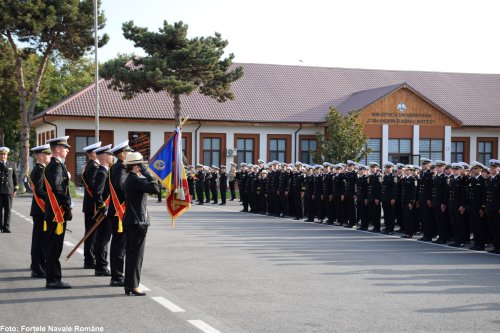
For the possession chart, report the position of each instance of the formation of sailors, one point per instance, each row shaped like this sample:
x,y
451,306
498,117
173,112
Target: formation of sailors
x,y
444,203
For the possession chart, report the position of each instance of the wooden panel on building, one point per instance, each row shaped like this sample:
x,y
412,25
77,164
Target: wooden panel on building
x,y
400,132
431,132
418,111
373,131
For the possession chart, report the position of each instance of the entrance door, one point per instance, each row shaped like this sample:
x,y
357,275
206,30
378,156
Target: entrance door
x,y
400,151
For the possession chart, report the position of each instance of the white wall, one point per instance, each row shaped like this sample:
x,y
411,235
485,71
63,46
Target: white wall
x,y
473,134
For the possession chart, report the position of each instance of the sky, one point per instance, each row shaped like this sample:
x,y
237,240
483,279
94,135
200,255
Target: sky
x,y
423,35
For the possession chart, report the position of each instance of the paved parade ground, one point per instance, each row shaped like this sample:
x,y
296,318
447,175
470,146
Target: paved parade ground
x,y
221,270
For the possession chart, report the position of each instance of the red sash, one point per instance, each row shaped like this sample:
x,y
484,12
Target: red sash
x,y
38,200
120,208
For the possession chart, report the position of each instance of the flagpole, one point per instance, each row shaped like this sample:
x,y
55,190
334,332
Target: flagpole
x,y
96,65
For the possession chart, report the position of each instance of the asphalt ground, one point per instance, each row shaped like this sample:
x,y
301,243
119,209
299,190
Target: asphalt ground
x,y
221,270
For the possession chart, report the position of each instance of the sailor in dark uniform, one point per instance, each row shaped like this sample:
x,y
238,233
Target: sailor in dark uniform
x,y
389,188
318,199
297,189
58,207
102,198
439,202
116,211
262,192
362,197
456,205
89,209
476,208
190,174
199,183
213,184
232,181
350,177
492,203
207,184
138,185
374,195
38,239
408,198
328,193
8,189
309,204
424,201
223,184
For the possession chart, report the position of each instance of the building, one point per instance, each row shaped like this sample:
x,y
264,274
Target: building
x,y
279,110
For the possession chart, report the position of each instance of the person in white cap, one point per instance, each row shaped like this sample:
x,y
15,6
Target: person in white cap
x,y
232,181
492,203
477,214
116,211
199,183
138,185
57,210
88,207
8,189
223,184
38,238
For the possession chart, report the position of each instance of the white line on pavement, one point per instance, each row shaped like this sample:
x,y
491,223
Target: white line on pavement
x,y
169,305
204,327
143,287
68,243
79,251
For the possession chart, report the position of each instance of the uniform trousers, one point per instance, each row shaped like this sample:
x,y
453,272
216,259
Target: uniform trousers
x,y
136,241
350,210
389,215
374,212
494,222
441,219
103,235
55,244
479,227
339,209
117,251
320,207
215,196
309,206
409,219
232,189
89,244
283,203
428,221
457,224
223,190
362,213
5,207
38,246
199,194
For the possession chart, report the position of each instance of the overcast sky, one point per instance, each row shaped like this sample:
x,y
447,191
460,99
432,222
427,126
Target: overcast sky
x,y
430,35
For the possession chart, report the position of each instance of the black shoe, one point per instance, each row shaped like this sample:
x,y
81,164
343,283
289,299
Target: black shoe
x,y
6,230
214,203
200,203
385,232
105,272
455,244
296,218
425,239
231,199
134,292
494,251
58,285
222,204
477,248
349,226
88,266
439,241
309,220
243,211
406,236
363,229
38,275
375,230
116,283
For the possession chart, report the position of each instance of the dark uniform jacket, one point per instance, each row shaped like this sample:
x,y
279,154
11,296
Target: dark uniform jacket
x,y
223,180
284,181
492,194
213,180
475,193
408,190
58,178
318,185
200,179
338,184
350,179
327,185
136,194
439,190
88,178
297,182
117,176
362,188
389,187
101,186
309,184
8,178
374,187
272,182
36,178
456,193
424,187
262,185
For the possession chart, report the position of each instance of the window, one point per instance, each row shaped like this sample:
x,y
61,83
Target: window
x,y
307,148
80,156
245,150
400,151
277,150
431,149
140,142
484,151
375,151
186,144
457,151
211,151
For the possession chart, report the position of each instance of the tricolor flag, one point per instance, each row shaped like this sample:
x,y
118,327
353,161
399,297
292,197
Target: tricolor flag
x,y
167,165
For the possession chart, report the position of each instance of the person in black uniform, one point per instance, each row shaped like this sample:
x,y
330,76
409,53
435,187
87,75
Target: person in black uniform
x,y
57,209
243,179
374,195
89,208
318,202
309,204
190,179
271,189
297,189
8,189
38,239
101,194
232,181
439,201
262,192
475,207
213,184
199,183
328,192
223,184
116,211
492,203
138,185
361,197
350,177
424,201
408,198
456,205
208,182
389,187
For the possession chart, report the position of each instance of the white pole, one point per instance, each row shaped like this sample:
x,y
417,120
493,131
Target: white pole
x,y
96,64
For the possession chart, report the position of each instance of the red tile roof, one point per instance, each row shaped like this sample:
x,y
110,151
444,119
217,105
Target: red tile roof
x,y
293,94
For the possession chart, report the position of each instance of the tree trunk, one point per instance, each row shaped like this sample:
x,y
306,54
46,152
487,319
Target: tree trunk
x,y
177,110
2,136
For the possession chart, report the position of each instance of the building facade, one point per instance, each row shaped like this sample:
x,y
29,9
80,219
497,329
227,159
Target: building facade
x,y
279,111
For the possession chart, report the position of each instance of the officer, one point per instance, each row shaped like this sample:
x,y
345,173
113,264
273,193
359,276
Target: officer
x,y
260,164
262,192
232,180
272,189
476,208
389,188
309,204
350,177
408,198
399,211
492,203
199,183
8,189
101,198
57,209
465,175
374,195
318,202
424,201
362,197
89,209
116,211
283,188
38,239
223,184
439,201
190,174
213,184
338,193
456,205
243,185
253,196
208,183
297,189
136,221
328,192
